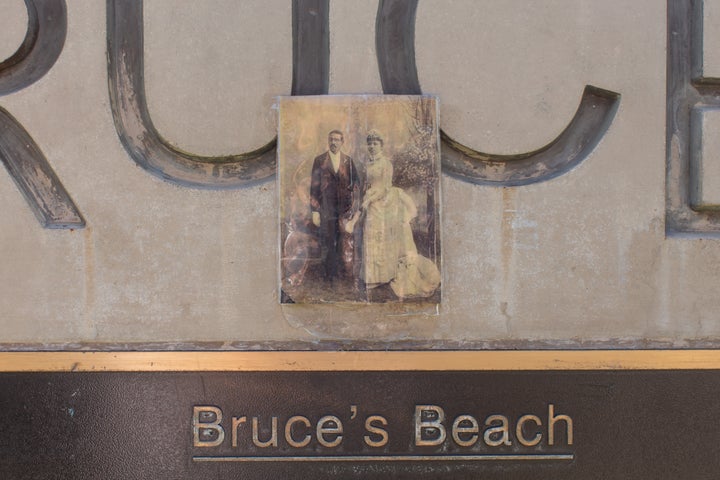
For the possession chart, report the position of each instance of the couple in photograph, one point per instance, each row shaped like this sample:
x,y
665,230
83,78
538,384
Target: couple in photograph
x,y
364,224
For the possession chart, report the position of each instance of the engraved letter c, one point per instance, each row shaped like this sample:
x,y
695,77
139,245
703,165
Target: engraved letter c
x,y
395,45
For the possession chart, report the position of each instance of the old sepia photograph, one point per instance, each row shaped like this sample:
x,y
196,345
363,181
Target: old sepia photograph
x,y
359,199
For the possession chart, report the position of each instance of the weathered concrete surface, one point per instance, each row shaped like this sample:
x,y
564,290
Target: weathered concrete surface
x,y
579,260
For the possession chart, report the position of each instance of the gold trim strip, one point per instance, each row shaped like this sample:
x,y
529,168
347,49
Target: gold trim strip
x,y
360,361
392,458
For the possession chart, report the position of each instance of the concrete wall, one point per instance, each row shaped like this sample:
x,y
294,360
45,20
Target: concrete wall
x,y
579,260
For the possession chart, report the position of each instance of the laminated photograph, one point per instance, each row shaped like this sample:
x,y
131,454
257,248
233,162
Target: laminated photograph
x,y
359,199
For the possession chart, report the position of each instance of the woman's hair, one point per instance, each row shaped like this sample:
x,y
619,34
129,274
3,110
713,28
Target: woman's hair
x,y
374,135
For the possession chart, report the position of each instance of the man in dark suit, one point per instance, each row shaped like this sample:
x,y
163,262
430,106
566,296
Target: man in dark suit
x,y
334,196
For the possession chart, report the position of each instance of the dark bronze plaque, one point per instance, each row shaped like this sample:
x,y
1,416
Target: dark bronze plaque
x,y
623,424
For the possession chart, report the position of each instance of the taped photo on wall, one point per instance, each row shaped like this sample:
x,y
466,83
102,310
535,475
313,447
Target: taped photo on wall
x,y
359,186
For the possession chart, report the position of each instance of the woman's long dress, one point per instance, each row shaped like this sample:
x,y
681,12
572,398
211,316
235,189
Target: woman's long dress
x,y
387,235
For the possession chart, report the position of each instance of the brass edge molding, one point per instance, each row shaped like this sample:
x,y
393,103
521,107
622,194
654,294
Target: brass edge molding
x,y
289,361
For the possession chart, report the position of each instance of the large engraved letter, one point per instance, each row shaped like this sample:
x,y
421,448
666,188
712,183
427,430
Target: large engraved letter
x,y
693,100
395,44
44,40
135,128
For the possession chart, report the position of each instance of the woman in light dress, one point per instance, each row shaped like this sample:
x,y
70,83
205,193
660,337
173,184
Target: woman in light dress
x,y
388,247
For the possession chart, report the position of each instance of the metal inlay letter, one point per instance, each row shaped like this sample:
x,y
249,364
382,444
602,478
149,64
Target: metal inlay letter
x,y
395,44
44,40
134,125
693,102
